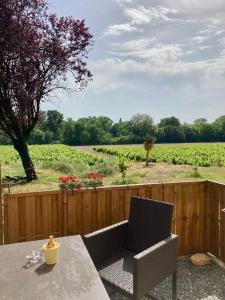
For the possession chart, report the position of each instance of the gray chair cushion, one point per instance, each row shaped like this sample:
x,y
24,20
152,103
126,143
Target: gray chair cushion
x,y
118,271
149,222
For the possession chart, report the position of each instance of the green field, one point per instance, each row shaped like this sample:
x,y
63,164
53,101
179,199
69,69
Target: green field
x,y
178,162
49,153
202,155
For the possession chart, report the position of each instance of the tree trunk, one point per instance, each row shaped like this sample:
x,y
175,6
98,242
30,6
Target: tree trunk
x,y
21,146
147,157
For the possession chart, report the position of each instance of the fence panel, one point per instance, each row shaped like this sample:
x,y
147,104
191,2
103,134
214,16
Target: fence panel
x,y
31,216
216,219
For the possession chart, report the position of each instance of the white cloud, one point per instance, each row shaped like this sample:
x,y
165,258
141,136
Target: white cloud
x,y
119,29
199,39
124,1
197,6
136,44
144,49
204,47
140,15
111,74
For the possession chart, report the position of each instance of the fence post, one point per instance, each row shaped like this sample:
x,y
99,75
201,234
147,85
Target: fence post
x,y
1,208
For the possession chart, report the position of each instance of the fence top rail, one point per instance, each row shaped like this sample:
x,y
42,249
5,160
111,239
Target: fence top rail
x,y
215,183
108,188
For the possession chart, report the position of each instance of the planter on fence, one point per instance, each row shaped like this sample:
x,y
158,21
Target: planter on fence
x,y
69,183
72,182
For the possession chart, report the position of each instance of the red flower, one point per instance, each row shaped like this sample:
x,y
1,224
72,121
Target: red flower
x,y
65,179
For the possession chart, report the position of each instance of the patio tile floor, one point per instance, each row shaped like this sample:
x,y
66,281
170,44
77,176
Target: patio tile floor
x,y
194,283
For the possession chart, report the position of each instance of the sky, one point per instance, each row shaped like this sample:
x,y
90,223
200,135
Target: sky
x,y
162,58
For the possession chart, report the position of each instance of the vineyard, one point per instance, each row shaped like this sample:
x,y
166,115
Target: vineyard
x,y
40,153
203,155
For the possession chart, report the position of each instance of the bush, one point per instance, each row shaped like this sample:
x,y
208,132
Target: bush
x,y
75,168
106,167
127,180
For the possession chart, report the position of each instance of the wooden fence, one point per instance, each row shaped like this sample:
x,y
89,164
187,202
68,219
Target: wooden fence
x,y
31,216
197,215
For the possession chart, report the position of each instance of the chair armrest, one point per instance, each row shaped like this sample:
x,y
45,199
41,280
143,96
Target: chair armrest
x,y
154,264
107,242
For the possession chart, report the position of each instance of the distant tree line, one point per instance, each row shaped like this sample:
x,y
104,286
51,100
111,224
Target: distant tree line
x,y
52,128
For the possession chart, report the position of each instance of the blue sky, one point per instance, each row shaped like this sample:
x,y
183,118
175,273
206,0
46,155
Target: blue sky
x,y
162,58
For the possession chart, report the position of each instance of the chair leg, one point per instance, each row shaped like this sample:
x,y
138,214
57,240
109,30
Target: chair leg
x,y
174,286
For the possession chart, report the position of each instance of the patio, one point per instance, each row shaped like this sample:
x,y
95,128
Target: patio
x,y
194,283
197,220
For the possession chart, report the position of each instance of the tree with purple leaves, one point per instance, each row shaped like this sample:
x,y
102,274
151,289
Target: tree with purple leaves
x,y
37,52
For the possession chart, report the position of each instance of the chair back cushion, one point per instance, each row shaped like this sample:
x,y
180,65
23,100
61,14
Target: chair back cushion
x,y
149,223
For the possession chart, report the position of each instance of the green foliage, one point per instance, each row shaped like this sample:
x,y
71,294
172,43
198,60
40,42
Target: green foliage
x,y
122,168
50,153
127,180
149,139
203,155
101,130
196,173
171,121
106,167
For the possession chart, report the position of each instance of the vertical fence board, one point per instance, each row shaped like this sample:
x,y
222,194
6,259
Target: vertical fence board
x,y
157,192
128,194
13,220
29,218
87,212
72,214
213,223
79,213
193,218
108,208
94,209
102,221
202,233
181,217
47,215
115,206
38,217
169,196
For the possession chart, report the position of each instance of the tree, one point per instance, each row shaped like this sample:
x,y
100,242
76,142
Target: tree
x,y
171,121
69,133
200,121
141,126
37,51
170,131
219,128
53,123
148,145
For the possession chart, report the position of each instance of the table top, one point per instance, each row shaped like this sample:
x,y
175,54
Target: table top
x,y
73,277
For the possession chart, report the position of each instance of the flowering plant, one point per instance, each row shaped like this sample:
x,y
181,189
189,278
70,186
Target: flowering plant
x,y
69,182
93,179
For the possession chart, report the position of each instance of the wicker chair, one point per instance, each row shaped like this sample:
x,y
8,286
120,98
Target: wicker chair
x,y
135,255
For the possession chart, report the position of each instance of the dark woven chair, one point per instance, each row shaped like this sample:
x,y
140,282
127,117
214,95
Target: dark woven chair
x,y
135,255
